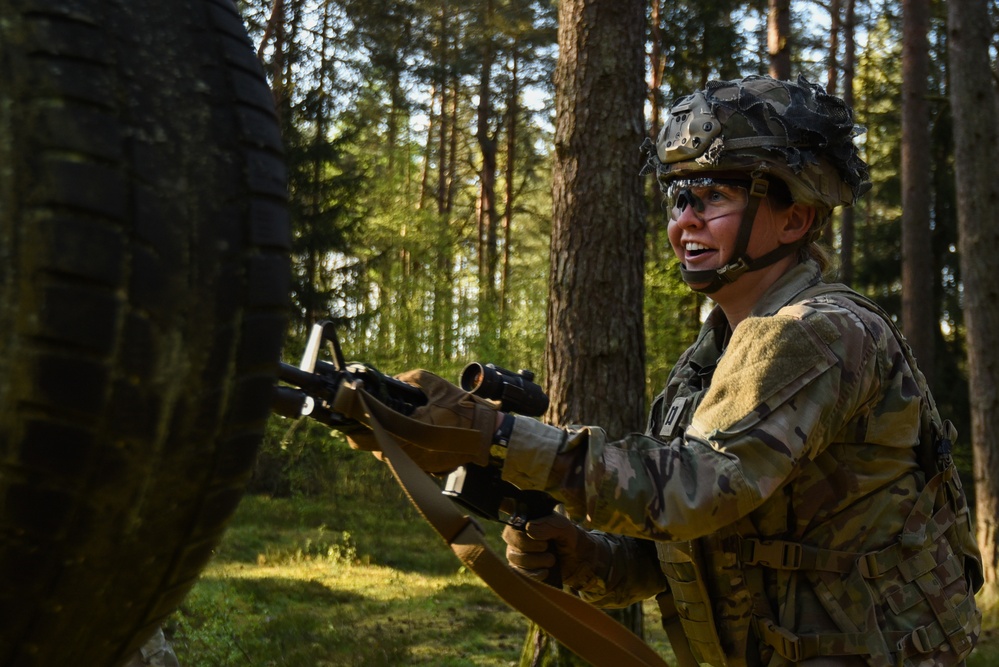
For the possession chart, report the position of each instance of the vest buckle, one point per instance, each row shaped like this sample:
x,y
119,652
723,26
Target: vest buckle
x,y
775,554
785,642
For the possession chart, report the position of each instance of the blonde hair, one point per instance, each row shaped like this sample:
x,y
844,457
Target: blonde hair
x,y
818,253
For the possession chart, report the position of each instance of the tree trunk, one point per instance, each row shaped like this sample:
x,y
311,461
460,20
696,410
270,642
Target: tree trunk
x,y
443,131
779,38
832,82
832,67
917,257
443,293
428,149
541,650
976,140
510,175
596,350
452,160
847,216
657,68
488,218
275,29
595,346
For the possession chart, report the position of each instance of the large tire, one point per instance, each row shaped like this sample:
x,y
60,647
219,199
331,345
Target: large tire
x,y
143,285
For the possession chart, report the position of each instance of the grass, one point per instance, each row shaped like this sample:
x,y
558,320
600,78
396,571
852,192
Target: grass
x,y
357,579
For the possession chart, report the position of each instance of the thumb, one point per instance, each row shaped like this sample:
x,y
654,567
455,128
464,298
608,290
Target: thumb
x,y
423,379
552,527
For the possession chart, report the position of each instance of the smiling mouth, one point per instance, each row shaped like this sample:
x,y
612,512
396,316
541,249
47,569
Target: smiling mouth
x,y
694,250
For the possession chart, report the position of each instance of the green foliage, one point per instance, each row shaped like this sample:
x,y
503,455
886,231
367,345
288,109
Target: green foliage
x,y
385,179
300,457
379,103
672,313
701,41
352,579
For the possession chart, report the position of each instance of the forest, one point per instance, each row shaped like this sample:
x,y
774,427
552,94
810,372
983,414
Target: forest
x,y
419,139
422,139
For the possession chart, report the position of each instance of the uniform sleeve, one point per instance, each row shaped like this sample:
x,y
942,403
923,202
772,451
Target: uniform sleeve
x,y
634,574
785,384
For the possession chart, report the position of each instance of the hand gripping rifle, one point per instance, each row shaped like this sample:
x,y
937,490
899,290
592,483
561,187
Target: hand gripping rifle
x,y
311,390
481,490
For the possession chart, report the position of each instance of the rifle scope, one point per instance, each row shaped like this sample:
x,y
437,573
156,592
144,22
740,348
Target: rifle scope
x,y
516,391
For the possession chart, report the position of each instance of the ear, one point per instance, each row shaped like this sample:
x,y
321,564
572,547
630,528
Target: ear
x,y
796,223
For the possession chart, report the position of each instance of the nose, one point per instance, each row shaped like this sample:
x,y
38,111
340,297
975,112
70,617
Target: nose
x,y
687,217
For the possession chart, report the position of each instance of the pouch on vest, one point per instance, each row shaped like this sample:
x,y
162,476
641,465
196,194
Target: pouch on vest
x,y
683,566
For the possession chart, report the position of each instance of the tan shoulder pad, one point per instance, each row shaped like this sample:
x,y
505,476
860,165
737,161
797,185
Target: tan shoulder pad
x,y
768,360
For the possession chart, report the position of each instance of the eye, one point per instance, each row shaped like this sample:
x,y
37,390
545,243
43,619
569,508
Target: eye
x,y
715,196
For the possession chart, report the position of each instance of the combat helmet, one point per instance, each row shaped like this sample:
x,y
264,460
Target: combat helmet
x,y
793,132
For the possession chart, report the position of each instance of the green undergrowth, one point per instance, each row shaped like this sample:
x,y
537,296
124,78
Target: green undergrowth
x,y
356,578
352,577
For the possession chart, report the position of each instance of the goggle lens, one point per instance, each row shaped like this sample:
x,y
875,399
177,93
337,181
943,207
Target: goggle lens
x,y
709,198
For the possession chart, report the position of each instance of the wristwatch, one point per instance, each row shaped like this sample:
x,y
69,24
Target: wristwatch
x,y
502,435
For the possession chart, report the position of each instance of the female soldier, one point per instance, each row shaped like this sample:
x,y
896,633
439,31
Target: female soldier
x,y
793,495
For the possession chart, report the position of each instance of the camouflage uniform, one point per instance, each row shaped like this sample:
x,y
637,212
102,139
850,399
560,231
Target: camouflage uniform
x,y
778,493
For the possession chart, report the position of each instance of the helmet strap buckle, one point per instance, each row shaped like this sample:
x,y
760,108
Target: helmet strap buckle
x,y
731,271
759,186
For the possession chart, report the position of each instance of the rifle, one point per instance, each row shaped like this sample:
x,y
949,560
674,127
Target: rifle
x,y
311,390
314,384
480,490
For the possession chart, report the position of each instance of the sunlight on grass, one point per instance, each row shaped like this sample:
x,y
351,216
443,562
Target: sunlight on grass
x,y
426,618
286,588
362,581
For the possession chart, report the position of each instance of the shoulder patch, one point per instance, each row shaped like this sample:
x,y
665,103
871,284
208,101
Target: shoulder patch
x,y
819,323
767,361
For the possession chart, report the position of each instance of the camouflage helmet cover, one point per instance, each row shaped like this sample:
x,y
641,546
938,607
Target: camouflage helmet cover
x,y
791,130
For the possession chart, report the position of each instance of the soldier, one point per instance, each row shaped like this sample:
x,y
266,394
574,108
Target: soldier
x,y
793,496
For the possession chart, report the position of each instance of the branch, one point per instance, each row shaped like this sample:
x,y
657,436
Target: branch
x,y
277,9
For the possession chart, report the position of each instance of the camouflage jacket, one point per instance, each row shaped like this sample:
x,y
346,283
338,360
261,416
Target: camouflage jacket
x,y
779,456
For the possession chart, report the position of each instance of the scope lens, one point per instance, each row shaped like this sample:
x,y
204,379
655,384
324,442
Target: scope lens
x,y
472,377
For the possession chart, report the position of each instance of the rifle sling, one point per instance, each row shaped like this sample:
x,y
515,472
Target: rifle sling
x,y
578,625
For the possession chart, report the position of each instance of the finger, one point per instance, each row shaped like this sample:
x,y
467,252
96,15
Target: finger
x,y
418,377
520,541
551,527
530,561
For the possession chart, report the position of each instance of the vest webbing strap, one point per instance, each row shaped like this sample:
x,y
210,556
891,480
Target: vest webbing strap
x,y
907,644
578,625
674,631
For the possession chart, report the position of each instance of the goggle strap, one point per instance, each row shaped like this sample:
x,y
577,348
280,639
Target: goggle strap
x,y
717,278
757,193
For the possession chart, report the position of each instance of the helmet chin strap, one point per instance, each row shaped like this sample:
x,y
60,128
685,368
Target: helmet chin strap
x,y
740,262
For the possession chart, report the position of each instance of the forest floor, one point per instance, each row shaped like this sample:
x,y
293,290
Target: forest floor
x,y
357,579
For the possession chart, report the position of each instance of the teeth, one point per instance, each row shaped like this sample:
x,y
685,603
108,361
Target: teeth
x,y
696,246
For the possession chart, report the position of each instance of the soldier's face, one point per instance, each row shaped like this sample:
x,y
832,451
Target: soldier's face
x,y
704,226
705,223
